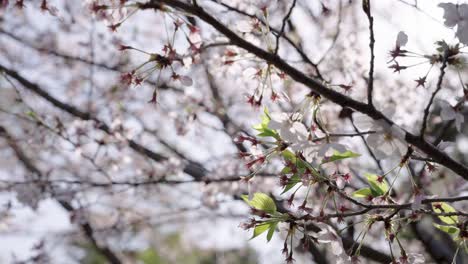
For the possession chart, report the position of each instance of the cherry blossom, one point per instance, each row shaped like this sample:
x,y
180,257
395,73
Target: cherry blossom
x,y
412,258
449,112
457,15
402,39
328,235
387,140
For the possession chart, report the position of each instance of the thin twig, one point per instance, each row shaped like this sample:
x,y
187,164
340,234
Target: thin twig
x,y
283,26
438,88
366,5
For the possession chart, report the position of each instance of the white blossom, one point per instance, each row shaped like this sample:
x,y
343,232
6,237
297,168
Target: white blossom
x,y
417,202
457,15
402,39
185,80
29,194
387,139
328,235
331,146
444,145
288,127
448,112
244,26
412,258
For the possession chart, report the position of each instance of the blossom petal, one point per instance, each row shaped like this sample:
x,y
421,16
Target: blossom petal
x,y
402,39
459,119
244,26
186,80
462,32
451,15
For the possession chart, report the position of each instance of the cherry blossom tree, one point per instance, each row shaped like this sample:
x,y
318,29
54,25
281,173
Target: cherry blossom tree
x,y
324,126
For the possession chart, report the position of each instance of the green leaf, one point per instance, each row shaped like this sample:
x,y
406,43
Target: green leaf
x,y
362,193
271,231
259,229
265,121
379,188
261,201
451,230
446,208
266,132
292,182
286,170
31,114
288,155
149,256
339,156
301,165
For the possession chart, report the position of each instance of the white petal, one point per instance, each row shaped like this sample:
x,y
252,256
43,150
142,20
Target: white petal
x,y
323,150
339,147
374,140
244,26
340,183
417,203
463,11
402,39
398,132
287,133
451,15
249,72
337,248
443,145
416,258
187,61
300,130
195,37
459,119
447,113
185,80
462,32
277,120
386,147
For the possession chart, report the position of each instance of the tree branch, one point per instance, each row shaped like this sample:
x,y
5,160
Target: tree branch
x,y
332,95
194,169
366,5
283,25
438,88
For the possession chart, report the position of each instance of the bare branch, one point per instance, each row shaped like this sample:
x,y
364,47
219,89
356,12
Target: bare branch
x,y
314,85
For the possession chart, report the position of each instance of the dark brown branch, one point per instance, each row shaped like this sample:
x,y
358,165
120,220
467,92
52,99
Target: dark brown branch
x,y
348,243
436,91
377,161
296,47
283,25
89,233
193,168
297,75
366,5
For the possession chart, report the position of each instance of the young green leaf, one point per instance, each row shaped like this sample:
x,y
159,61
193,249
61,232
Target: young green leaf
x,y
261,201
265,121
288,155
445,208
451,230
379,186
362,193
271,230
259,229
292,182
149,256
339,156
266,132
